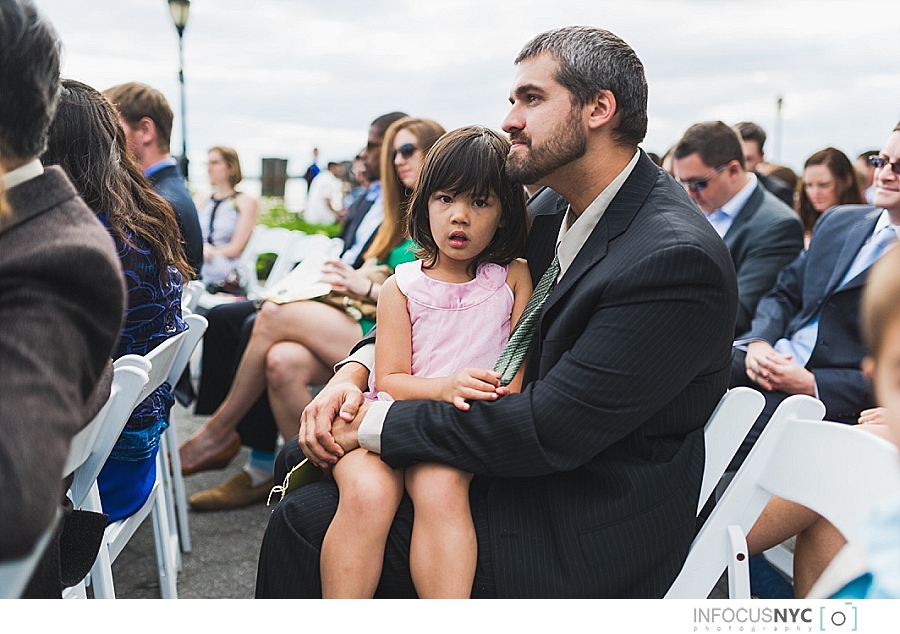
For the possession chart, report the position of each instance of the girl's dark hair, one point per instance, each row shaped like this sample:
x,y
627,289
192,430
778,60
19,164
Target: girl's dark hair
x,y
87,141
846,184
470,160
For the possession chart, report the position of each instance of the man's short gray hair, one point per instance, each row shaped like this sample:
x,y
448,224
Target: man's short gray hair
x,y
592,60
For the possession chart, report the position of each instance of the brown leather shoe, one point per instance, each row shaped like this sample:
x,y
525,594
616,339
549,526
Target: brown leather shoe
x,y
219,460
233,494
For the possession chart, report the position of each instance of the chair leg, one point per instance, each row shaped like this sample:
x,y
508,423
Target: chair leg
x,y
180,502
166,557
738,565
101,572
168,490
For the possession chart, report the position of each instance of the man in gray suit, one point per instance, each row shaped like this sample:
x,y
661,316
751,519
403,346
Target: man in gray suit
x,y
762,234
61,297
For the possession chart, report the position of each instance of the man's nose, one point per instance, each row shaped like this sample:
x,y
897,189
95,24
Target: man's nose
x,y
513,121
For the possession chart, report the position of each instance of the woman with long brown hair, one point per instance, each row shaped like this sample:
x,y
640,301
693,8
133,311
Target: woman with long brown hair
x,y
828,180
87,141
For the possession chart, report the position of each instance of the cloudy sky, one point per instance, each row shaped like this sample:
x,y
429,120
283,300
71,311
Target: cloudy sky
x,y
278,77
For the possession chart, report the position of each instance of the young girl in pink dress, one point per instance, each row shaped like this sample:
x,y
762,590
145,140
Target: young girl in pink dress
x,y
442,322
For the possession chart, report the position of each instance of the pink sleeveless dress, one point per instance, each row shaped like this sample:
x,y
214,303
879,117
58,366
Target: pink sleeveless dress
x,y
455,326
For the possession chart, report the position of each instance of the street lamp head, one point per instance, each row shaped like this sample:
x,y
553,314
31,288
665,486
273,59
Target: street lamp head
x,y
179,10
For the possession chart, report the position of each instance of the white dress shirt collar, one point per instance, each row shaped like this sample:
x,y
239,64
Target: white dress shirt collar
x,y
23,173
721,219
575,230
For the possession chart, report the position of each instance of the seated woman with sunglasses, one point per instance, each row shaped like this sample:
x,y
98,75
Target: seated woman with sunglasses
x,y
295,345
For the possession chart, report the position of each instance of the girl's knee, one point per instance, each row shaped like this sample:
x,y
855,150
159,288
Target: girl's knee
x,y
370,496
439,487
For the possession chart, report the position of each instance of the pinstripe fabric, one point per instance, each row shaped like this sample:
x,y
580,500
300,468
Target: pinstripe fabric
x,y
591,474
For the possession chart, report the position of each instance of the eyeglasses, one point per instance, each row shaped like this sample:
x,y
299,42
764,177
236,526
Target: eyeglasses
x,y
879,161
406,151
699,184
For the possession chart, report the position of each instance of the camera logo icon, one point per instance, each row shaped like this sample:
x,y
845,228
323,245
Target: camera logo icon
x,y
843,618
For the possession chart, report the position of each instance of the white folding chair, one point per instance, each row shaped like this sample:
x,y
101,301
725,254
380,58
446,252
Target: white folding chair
x,y
92,445
172,479
118,533
802,459
723,433
264,239
190,295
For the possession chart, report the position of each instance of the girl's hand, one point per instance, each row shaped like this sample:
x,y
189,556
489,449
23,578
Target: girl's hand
x,y
209,251
472,384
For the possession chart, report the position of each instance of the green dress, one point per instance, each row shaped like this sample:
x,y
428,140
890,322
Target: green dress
x,y
401,254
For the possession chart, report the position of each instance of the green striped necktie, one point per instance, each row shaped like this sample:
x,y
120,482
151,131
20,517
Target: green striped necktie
x,y
519,341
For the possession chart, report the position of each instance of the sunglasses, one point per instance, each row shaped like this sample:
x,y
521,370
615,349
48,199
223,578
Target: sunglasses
x,y
406,151
879,161
699,184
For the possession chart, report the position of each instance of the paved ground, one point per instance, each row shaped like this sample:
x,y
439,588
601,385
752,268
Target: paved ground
x,y
225,544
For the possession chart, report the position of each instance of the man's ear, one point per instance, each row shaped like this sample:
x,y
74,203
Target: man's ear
x,y
146,130
868,368
601,109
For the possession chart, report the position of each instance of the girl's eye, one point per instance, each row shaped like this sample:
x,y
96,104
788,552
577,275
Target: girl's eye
x,y
479,202
444,198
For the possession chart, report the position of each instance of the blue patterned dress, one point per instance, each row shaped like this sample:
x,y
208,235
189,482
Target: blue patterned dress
x,y
153,314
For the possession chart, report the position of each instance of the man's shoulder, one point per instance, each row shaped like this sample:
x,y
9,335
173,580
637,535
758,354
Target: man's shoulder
x,y
169,184
844,216
772,214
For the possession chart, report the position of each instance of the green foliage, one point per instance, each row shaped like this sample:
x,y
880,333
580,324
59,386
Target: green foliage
x,y
277,215
274,214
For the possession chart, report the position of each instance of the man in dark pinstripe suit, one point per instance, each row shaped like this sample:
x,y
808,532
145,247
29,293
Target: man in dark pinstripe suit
x,y
586,483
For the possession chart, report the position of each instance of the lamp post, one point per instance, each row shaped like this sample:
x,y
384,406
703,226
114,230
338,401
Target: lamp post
x,y
179,10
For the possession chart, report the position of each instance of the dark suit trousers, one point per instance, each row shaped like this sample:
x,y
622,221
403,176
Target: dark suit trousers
x,y
229,330
289,556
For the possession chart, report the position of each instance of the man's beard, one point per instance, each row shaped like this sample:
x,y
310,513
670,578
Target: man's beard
x,y
566,143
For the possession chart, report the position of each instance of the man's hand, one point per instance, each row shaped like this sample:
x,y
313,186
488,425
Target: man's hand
x,y
336,404
772,370
346,432
472,384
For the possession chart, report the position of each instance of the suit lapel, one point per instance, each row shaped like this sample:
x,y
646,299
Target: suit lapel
x,y
854,240
744,215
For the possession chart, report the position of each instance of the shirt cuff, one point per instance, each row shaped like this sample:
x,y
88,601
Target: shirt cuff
x,y
369,433
365,356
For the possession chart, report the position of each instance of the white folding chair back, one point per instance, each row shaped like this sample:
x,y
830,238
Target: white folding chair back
x,y
172,478
16,573
801,459
93,444
726,429
264,240
190,295
117,534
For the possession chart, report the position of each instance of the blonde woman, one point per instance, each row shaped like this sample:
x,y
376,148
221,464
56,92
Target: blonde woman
x,y
226,219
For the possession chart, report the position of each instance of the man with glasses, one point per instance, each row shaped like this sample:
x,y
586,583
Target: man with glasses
x,y
762,234
805,336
